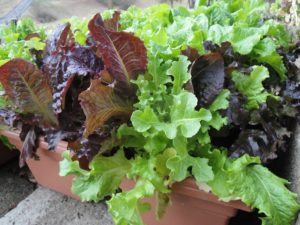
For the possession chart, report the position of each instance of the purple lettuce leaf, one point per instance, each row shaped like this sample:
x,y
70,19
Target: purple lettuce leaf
x,y
64,61
53,137
123,54
29,90
208,77
265,132
30,137
8,117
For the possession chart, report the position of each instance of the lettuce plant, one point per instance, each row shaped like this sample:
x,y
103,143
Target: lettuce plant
x,y
162,94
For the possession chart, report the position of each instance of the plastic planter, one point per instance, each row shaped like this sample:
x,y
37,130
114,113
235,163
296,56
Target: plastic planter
x,y
189,204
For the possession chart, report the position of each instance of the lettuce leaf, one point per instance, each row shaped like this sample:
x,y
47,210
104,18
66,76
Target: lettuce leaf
x,y
104,177
255,185
28,89
251,86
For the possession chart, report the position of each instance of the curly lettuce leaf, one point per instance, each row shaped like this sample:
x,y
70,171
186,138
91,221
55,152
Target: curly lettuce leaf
x,y
179,72
184,118
251,86
262,189
180,163
244,178
265,52
242,38
126,207
103,179
79,28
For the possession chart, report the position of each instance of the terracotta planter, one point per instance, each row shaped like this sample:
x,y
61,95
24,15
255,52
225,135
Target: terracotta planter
x,y
190,205
46,170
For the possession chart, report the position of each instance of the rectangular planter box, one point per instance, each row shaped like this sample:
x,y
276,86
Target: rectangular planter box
x,y
190,206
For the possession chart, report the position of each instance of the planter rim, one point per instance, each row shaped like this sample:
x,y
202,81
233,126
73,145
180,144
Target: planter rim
x,y
187,187
14,134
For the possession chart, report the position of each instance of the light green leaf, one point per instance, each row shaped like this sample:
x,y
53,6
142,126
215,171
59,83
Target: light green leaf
x,y
179,167
162,159
201,170
260,188
163,201
217,121
6,143
265,52
184,116
219,34
276,62
245,38
182,161
130,137
251,85
265,47
219,184
156,143
103,179
144,168
179,70
126,207
142,121
67,166
157,68
35,43
178,164
221,101
244,178
160,37
79,27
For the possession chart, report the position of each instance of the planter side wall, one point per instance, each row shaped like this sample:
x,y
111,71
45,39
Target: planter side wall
x,y
191,211
191,206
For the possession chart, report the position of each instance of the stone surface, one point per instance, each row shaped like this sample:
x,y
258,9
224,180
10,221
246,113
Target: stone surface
x,y
46,207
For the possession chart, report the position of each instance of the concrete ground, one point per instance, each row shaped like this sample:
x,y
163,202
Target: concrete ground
x,y
46,207
14,186
23,202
